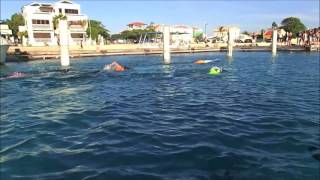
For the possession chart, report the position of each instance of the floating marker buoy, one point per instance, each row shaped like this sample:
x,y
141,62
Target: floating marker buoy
x,y
215,70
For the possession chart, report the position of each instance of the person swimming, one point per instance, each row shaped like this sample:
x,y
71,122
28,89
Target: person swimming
x,y
114,66
215,70
201,61
14,75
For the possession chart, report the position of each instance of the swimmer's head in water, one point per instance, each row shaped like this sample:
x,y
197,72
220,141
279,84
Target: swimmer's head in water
x,y
114,66
65,70
215,70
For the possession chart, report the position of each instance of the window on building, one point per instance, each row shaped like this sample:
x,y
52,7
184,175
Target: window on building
x,y
40,21
71,11
41,35
77,35
46,9
60,10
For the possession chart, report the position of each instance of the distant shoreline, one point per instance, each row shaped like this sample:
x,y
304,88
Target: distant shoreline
x,y
18,53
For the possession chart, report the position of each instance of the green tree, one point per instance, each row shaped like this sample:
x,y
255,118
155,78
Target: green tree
x,y
56,19
293,24
55,22
199,37
274,25
21,34
261,35
14,23
96,28
134,35
246,33
115,36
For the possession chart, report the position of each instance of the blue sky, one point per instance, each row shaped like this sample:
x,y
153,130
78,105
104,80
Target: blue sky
x,y
250,15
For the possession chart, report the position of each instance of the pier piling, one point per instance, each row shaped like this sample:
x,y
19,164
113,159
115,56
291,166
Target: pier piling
x,y
230,42
64,43
274,42
166,45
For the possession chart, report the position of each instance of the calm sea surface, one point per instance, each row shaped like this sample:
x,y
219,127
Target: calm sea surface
x,y
257,120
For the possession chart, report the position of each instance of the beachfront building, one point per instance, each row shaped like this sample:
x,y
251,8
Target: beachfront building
x,y
180,34
5,32
222,32
136,26
40,27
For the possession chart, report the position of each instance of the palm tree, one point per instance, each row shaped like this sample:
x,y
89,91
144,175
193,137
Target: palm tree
x,y
22,34
56,19
55,22
221,29
83,23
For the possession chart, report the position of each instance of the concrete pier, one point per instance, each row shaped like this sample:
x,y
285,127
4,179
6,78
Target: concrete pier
x,y
166,45
64,43
274,42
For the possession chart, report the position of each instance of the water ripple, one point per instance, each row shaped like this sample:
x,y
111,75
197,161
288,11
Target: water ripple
x,y
257,120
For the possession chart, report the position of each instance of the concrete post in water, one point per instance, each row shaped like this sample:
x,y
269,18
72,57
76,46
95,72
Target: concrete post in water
x,y
64,42
274,42
230,42
166,45
24,41
101,43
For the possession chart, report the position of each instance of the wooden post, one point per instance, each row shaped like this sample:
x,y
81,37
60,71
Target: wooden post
x,y
166,45
64,42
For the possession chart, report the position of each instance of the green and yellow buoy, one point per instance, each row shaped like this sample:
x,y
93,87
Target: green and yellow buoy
x,y
215,70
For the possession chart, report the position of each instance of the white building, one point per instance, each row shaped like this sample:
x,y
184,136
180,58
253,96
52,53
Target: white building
x,y
222,32
182,34
5,31
39,22
136,26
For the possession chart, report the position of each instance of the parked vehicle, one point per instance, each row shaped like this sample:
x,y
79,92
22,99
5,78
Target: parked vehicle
x,y
244,38
216,40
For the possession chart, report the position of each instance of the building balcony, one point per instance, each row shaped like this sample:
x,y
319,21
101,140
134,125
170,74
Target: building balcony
x,y
76,17
41,27
42,39
42,12
78,40
77,28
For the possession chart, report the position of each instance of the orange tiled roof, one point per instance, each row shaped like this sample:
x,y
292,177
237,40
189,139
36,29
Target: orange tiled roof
x,y
136,24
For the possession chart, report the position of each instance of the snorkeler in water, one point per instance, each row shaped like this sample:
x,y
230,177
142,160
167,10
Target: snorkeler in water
x,y
114,66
